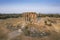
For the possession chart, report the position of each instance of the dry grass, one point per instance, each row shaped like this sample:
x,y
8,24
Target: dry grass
x,y
52,27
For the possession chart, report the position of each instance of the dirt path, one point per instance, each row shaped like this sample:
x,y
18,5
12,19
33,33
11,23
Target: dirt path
x,y
14,34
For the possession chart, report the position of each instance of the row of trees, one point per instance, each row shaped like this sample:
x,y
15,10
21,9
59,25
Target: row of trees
x,y
4,16
49,15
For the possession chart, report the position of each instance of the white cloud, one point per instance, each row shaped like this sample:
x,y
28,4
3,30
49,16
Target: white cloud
x,y
29,7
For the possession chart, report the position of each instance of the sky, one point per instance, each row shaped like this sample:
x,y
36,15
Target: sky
x,y
19,6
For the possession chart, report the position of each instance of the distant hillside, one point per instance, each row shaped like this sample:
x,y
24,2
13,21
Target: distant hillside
x,y
5,16
49,15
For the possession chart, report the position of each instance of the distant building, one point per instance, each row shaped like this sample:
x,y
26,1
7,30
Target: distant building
x,y
30,16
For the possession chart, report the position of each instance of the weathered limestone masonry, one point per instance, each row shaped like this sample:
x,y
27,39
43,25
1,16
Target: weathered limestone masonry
x,y
30,17
33,28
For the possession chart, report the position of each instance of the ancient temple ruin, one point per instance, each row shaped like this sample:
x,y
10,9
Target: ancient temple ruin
x,y
30,16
